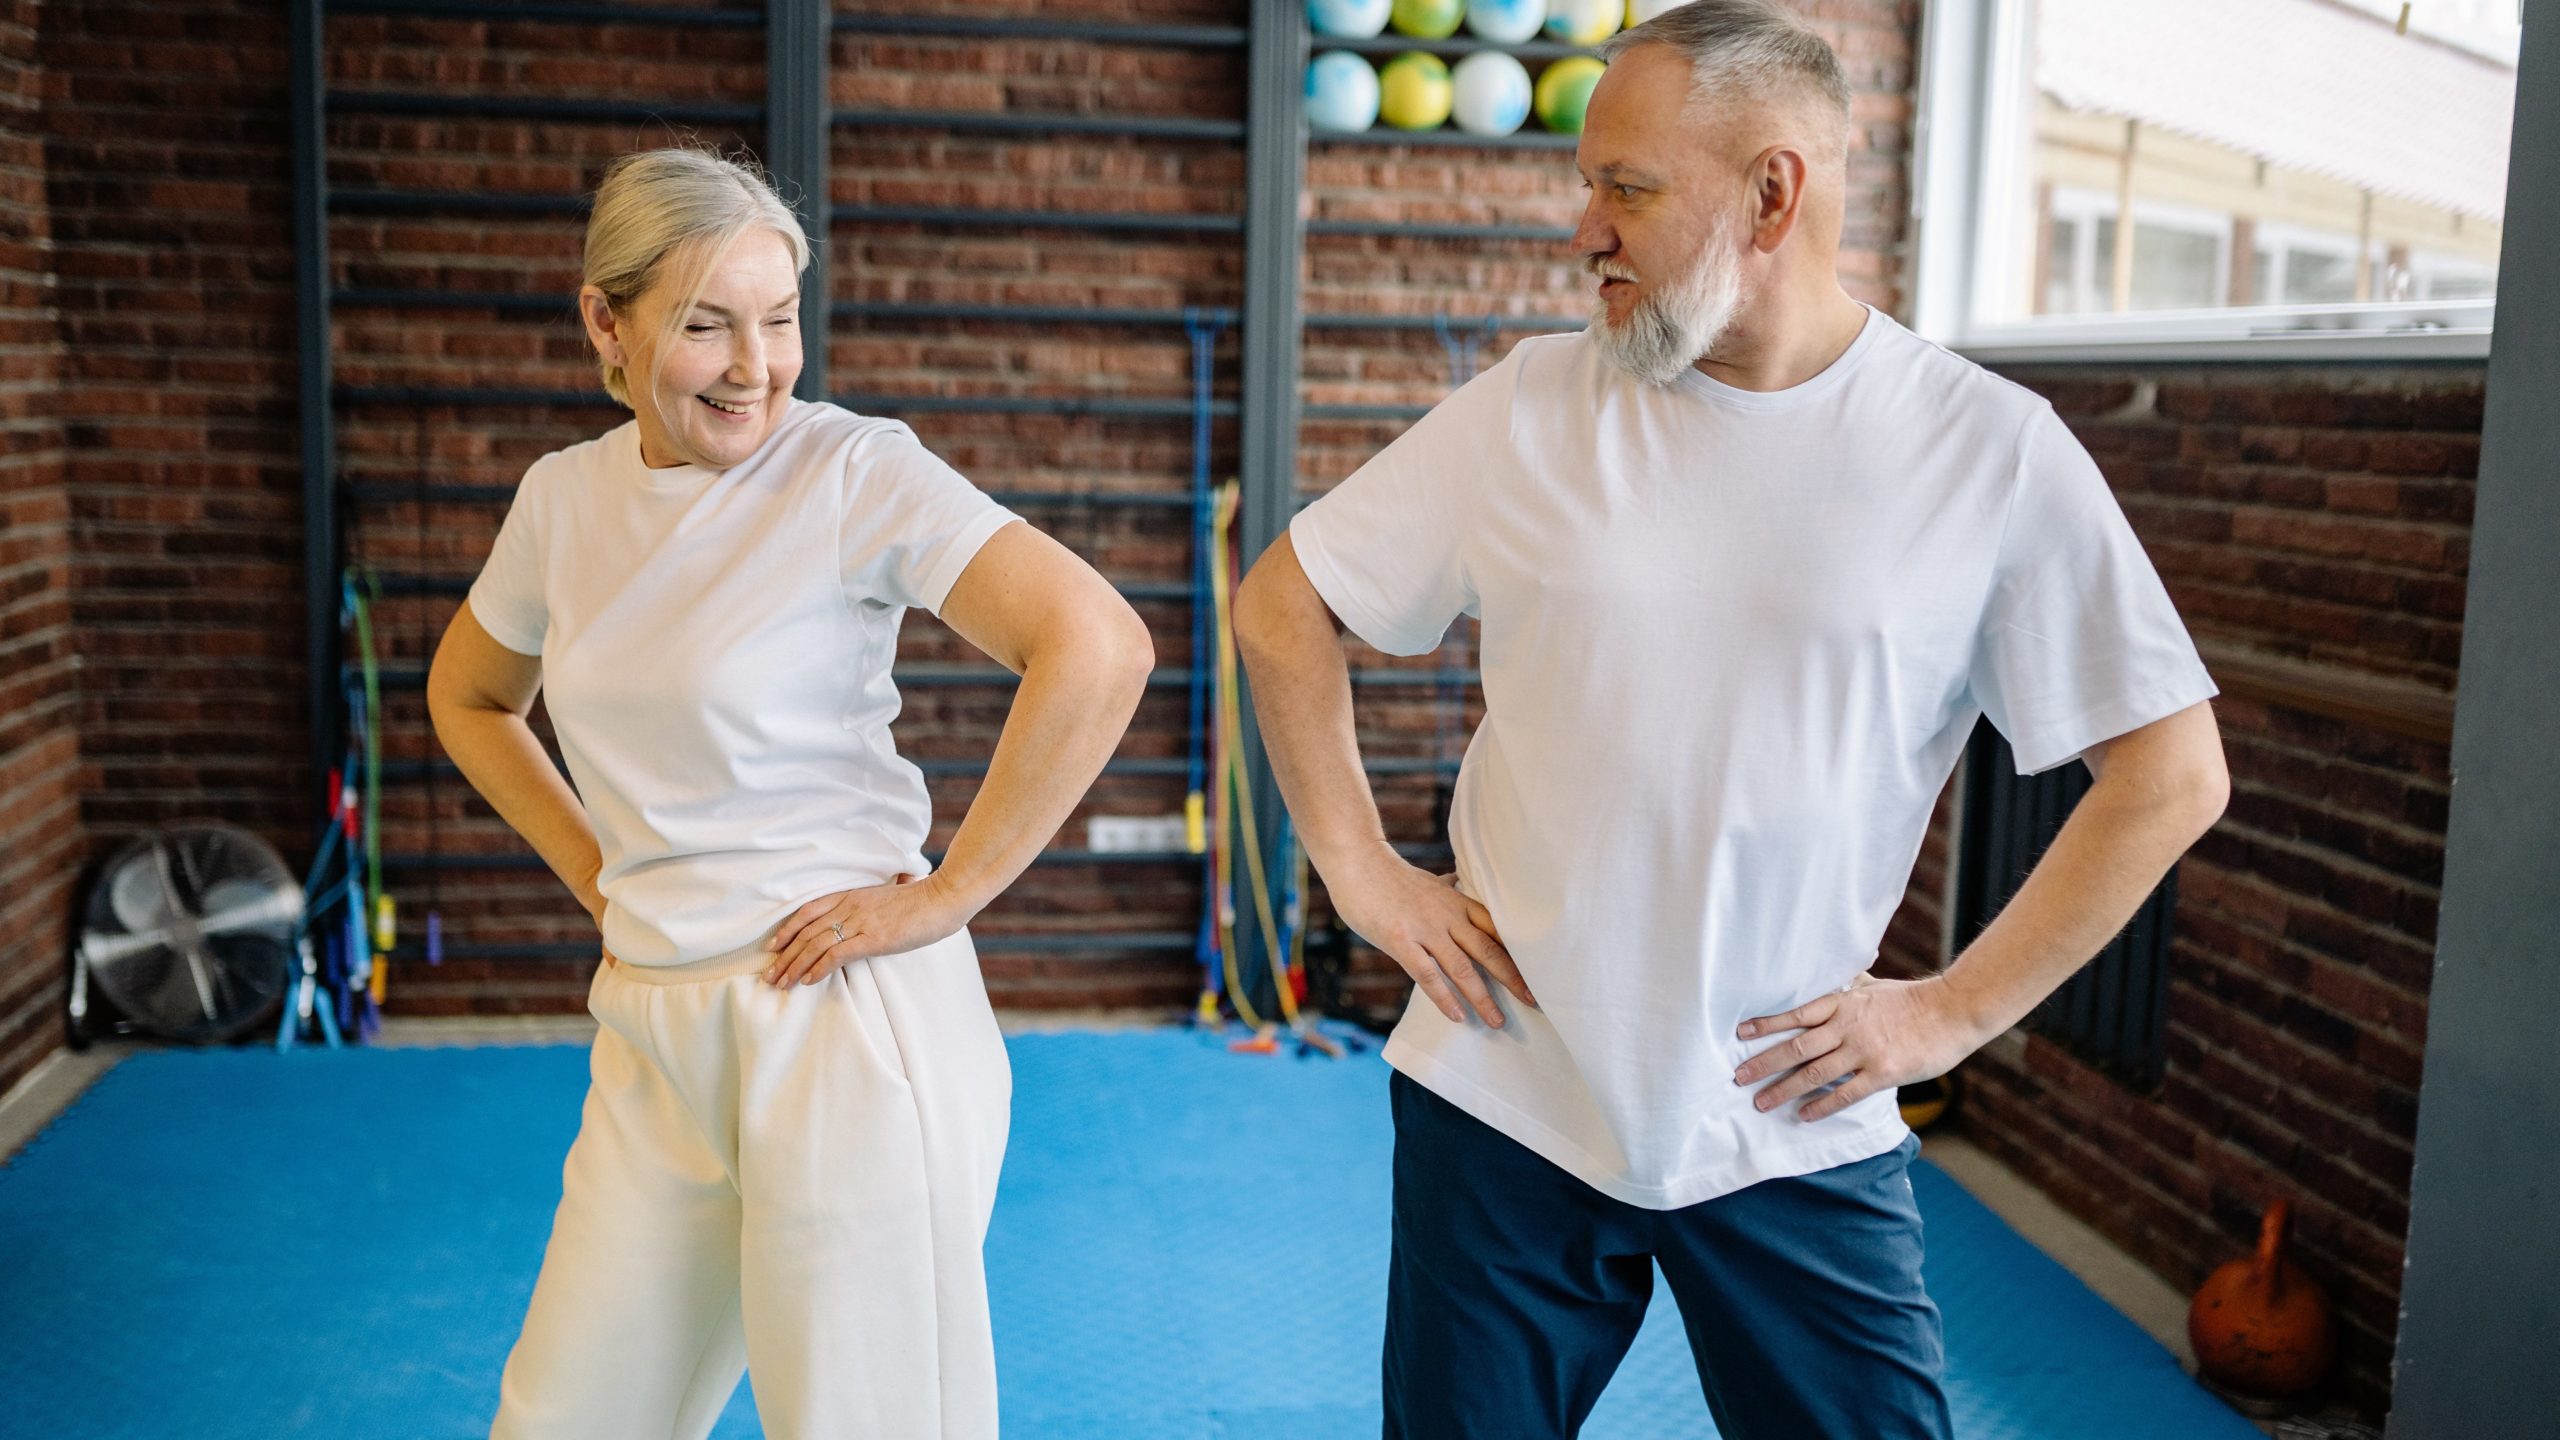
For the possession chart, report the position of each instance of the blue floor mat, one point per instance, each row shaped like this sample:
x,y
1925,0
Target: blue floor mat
x,y
1188,1243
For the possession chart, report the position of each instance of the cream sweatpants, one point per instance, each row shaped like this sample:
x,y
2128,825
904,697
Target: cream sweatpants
x,y
793,1184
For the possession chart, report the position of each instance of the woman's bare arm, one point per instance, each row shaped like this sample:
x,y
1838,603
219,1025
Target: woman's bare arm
x,y
478,694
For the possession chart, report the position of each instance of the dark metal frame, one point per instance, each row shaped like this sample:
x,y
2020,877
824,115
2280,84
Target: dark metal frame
x,y
1275,169
796,144
319,436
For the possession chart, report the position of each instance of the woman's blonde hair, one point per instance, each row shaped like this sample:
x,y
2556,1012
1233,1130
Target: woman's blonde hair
x,y
679,207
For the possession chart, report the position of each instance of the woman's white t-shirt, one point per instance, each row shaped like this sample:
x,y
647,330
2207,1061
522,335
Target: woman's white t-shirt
x,y
716,647
1733,645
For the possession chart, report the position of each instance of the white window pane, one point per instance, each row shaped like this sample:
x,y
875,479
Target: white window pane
x,y
2331,167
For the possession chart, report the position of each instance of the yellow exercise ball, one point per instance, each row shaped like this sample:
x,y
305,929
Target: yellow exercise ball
x,y
1414,92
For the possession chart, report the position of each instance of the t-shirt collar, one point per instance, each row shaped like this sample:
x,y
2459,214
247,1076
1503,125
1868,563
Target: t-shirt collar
x,y
1698,382
691,477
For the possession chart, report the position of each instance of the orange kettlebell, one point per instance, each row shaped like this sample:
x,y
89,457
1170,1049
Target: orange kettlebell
x,y
2261,1326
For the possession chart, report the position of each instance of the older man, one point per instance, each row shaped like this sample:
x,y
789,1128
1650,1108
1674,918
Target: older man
x,y
1750,559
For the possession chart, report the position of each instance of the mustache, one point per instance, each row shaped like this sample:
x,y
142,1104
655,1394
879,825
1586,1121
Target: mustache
x,y
1608,270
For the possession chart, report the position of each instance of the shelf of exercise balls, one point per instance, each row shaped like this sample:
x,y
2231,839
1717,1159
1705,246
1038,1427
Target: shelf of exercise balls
x,y
1168,127
1428,230
541,14
1523,139
503,107
1454,47
956,27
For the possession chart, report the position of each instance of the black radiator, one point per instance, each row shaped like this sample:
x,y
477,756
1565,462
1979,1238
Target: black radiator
x,y
2112,1014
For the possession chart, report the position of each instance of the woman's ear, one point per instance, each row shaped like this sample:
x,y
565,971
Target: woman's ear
x,y
603,329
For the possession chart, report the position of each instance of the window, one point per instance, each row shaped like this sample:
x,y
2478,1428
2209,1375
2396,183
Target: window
x,y
2212,178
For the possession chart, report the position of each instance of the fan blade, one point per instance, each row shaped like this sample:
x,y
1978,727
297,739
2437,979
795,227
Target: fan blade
x,y
204,982
278,907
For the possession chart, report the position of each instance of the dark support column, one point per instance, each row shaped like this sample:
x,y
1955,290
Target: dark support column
x,y
2480,1298
1275,170
797,34
320,562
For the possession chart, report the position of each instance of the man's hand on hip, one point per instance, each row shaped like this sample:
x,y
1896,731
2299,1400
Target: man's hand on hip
x,y
1876,1035
1444,940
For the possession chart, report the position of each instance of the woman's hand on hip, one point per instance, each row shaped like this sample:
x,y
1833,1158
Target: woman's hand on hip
x,y
834,930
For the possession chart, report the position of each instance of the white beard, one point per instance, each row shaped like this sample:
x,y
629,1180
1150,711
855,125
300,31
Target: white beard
x,y
1671,329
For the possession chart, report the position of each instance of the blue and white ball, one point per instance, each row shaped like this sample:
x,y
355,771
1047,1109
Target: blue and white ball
x,y
1342,93
1584,22
1349,19
1506,22
1493,93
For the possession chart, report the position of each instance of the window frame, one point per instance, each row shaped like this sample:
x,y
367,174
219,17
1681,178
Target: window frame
x,y
1971,123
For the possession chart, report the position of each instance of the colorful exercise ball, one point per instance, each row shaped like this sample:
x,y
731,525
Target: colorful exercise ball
x,y
1639,11
1428,19
1349,19
1583,22
1564,92
1506,22
1491,93
1414,92
1342,93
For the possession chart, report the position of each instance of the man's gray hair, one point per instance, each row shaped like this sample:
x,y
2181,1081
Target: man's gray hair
x,y
1745,50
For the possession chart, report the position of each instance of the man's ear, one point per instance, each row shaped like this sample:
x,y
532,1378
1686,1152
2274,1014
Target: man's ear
x,y
1777,196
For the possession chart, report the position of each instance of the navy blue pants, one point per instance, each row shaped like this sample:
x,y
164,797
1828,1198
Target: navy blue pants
x,y
1515,1290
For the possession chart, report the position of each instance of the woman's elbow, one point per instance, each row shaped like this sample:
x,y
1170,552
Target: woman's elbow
x,y
1123,649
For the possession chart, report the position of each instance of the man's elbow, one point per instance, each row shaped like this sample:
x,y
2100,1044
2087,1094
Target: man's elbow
x,y
2208,791
2192,792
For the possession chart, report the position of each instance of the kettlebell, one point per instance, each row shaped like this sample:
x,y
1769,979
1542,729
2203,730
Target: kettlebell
x,y
2261,1326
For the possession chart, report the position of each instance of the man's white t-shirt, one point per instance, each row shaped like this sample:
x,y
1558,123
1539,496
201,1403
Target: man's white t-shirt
x,y
1733,645
716,647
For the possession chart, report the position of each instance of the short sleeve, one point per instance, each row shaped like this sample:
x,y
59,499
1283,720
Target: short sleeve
x,y
2078,643
1384,549
507,599
911,523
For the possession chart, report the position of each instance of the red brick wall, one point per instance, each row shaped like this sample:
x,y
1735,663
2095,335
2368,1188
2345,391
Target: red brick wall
x,y
167,143
2302,515
40,776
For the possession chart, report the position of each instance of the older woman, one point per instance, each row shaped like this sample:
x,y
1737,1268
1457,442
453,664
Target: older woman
x,y
798,1100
